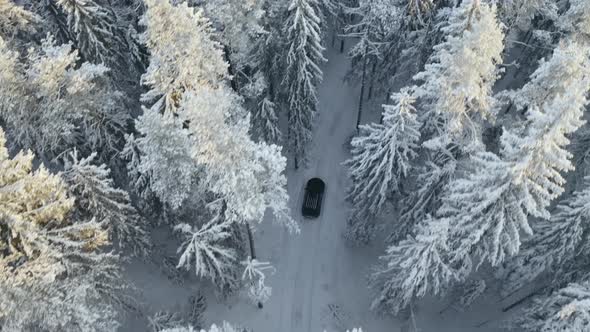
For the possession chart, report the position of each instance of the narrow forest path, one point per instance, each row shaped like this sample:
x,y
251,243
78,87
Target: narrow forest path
x,y
320,283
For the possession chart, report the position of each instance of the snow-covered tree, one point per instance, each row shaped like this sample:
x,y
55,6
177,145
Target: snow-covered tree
x,y
204,248
265,121
240,24
38,197
265,64
225,327
52,103
163,158
379,23
489,207
567,310
519,14
254,270
183,53
486,210
576,20
425,196
98,32
457,85
14,18
559,247
414,267
302,72
247,175
52,274
193,86
381,156
98,198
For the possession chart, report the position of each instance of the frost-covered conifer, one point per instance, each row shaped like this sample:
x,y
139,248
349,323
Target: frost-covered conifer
x,y
261,90
559,247
414,267
489,207
576,20
240,24
98,198
247,175
98,32
457,85
381,156
265,121
183,53
192,85
163,161
380,22
225,327
520,14
425,196
302,73
204,249
567,310
52,273
52,103
14,18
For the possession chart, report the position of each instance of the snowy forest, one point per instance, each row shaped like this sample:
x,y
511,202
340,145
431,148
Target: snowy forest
x,y
154,156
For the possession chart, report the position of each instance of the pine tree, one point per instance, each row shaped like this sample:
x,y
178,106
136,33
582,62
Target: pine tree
x,y
487,209
183,54
225,327
261,90
14,18
55,21
521,14
51,103
567,309
379,23
425,196
205,250
457,85
381,156
415,267
559,248
247,175
164,163
576,20
527,178
193,86
98,198
240,24
98,38
52,272
302,73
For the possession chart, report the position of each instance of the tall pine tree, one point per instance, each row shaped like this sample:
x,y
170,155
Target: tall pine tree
x,y
303,74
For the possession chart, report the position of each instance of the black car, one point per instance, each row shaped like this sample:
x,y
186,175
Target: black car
x,y
312,201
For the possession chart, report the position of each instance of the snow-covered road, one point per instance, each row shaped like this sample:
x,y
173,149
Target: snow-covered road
x,y
320,283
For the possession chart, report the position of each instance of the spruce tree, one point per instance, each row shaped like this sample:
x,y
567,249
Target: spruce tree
x,y
302,73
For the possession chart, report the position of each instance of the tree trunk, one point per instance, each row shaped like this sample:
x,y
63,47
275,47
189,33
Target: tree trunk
x,y
230,69
296,163
372,81
251,241
360,109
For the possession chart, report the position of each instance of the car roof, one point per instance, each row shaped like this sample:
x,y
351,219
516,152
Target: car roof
x,y
316,185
